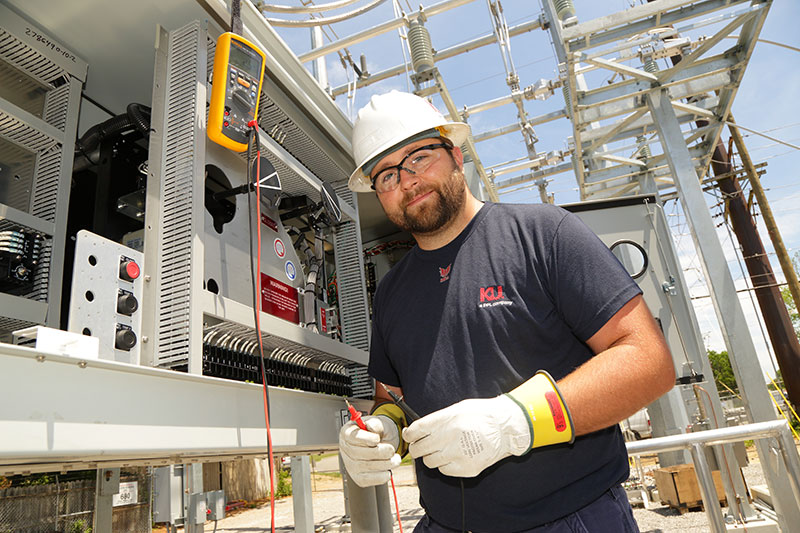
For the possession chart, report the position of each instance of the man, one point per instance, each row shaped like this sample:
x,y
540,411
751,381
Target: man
x,y
512,330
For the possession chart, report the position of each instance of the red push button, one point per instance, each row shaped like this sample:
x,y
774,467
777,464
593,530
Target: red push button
x,y
128,270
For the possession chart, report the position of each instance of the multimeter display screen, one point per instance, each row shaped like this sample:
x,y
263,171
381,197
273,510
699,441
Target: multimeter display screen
x,y
244,61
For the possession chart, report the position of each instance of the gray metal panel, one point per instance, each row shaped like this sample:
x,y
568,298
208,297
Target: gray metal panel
x,y
18,166
167,493
37,53
97,263
46,128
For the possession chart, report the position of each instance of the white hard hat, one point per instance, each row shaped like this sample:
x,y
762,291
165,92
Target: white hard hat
x,y
390,121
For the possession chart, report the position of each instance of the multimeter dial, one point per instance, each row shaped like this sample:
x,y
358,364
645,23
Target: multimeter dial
x,y
240,93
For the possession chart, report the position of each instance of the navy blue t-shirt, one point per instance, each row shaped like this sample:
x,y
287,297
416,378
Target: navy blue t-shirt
x,y
522,288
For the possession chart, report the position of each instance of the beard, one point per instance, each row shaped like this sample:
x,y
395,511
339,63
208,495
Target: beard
x,y
449,198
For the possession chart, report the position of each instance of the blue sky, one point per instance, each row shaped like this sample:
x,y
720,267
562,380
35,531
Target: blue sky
x,y
766,101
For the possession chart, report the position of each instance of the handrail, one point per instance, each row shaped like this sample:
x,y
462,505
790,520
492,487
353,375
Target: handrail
x,y
695,442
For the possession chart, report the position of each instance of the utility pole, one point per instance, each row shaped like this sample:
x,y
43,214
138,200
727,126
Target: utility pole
x,y
770,301
773,309
766,212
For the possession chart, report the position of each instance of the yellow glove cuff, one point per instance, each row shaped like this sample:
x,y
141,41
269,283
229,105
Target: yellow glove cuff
x,y
548,415
397,416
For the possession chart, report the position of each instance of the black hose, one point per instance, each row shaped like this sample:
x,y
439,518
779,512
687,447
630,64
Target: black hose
x,y
137,113
113,126
137,117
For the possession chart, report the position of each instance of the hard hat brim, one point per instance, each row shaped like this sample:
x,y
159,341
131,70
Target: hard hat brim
x,y
456,132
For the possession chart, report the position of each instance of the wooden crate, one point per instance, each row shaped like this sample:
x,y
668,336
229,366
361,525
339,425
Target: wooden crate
x,y
678,487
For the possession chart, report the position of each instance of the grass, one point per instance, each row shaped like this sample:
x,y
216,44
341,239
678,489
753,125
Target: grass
x,y
320,456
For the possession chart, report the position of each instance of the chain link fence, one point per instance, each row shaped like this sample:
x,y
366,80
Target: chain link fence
x,y
63,507
68,507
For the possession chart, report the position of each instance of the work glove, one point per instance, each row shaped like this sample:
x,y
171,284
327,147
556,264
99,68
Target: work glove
x,y
368,455
466,438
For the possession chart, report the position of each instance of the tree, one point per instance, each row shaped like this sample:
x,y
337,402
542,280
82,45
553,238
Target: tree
x,y
791,305
723,371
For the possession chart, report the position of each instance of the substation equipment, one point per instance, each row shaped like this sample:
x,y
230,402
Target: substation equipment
x,y
157,250
176,330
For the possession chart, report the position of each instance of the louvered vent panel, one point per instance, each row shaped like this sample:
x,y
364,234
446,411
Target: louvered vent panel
x,y
350,279
175,258
45,189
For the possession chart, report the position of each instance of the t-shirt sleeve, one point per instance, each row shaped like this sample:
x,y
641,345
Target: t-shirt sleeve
x,y
379,366
588,283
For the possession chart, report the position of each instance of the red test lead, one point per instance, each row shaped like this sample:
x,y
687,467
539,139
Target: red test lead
x,y
355,416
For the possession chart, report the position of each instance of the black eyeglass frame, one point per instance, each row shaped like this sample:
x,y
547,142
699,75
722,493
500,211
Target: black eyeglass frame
x,y
444,144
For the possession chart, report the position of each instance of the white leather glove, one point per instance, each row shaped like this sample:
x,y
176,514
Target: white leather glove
x,y
464,439
368,455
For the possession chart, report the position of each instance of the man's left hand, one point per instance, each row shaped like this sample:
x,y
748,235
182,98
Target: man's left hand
x,y
464,439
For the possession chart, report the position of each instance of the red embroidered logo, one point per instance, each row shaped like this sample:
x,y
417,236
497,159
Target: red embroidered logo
x,y
493,296
490,294
444,273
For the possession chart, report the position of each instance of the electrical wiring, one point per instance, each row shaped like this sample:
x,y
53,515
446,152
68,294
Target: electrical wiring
x,y
733,124
256,277
309,8
737,253
327,20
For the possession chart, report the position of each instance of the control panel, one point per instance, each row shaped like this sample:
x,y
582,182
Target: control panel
x,y
106,296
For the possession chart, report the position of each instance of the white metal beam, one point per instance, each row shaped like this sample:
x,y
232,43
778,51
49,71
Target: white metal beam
x,y
90,413
622,68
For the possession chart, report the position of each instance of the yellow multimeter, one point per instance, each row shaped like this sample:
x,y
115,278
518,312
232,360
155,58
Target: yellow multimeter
x,y
235,90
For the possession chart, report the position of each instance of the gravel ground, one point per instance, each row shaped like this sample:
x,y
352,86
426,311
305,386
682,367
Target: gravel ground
x,y
329,509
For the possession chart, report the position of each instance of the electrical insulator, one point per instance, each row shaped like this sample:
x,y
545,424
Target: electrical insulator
x,y
419,40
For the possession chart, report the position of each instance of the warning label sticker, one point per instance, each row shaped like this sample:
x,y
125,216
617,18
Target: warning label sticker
x,y
271,224
280,249
279,299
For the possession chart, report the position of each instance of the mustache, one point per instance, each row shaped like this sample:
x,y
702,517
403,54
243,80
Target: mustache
x,y
410,195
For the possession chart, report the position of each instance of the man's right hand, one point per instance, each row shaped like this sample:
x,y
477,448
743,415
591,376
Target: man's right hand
x,y
368,455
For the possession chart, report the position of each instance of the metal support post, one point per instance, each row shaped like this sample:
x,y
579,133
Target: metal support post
x,y
318,67
194,506
346,482
747,369
707,490
384,503
363,504
302,503
668,416
107,485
